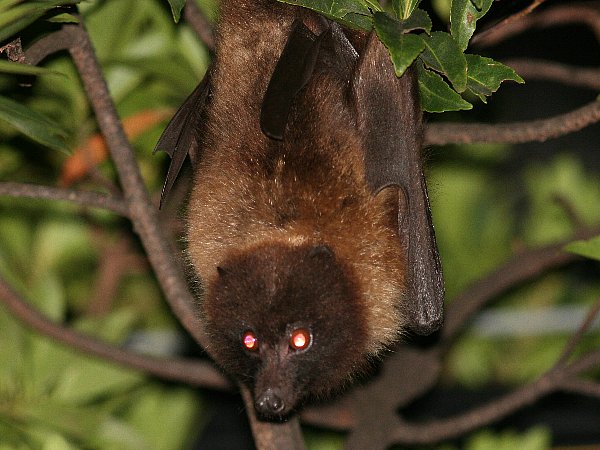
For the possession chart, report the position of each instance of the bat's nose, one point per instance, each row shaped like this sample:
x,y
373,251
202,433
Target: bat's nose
x,y
269,403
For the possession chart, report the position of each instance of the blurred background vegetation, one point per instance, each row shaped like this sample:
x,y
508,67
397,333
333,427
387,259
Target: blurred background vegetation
x,y
488,202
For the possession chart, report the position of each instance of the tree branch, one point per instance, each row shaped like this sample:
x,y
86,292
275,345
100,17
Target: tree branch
x,y
272,436
584,387
520,268
560,15
548,70
142,212
84,198
559,377
197,373
419,367
49,44
145,220
516,132
576,338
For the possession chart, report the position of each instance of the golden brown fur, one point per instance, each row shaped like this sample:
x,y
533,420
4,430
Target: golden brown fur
x,y
310,188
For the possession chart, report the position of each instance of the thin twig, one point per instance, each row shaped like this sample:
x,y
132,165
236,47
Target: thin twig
x,y
537,69
516,132
438,430
569,209
509,20
197,373
560,15
520,268
84,198
576,338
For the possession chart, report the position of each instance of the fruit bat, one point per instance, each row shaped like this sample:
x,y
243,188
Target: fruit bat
x,y
308,223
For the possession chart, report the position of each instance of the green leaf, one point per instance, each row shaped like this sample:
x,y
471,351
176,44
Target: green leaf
x,y
418,20
436,95
477,3
404,8
403,48
32,124
352,13
589,249
443,55
485,75
23,69
63,18
463,18
176,7
13,18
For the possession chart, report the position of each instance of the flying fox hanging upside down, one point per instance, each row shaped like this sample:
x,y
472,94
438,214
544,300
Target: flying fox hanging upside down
x,y
308,224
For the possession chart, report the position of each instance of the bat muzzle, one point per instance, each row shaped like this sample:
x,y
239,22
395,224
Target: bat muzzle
x,y
270,404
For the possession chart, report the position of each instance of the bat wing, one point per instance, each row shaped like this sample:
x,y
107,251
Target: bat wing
x,y
179,138
390,120
304,53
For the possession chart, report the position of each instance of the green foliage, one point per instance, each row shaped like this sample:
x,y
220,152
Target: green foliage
x,y
32,124
464,15
589,248
485,75
351,13
16,15
441,54
536,438
51,396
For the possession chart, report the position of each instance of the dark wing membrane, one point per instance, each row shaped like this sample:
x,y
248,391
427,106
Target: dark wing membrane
x,y
304,54
291,73
179,138
390,121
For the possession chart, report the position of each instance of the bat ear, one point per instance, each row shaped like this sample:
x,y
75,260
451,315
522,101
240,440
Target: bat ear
x,y
320,251
389,120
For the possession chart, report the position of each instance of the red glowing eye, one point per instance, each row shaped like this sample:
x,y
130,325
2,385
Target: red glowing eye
x,y
300,339
250,341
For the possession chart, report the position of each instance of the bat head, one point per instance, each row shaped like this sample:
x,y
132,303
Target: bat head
x,y
286,321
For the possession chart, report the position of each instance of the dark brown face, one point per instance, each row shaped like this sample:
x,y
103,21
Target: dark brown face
x,y
287,322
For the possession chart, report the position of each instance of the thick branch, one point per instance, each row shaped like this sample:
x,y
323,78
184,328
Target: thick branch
x,y
142,211
559,377
583,387
144,217
272,436
197,373
438,430
513,133
49,44
520,268
84,198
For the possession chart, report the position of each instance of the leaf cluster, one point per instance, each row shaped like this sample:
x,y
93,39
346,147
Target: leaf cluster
x,y
445,71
